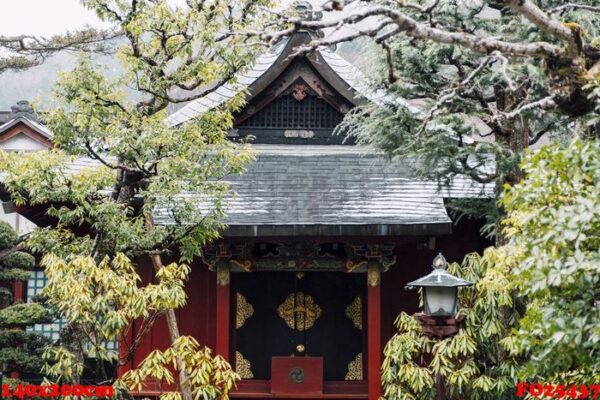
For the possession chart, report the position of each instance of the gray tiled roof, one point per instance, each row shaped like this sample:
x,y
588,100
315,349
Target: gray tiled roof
x,y
41,129
353,77
297,186
227,91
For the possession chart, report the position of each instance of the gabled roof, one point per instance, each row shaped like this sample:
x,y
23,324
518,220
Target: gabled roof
x,y
36,126
38,135
342,75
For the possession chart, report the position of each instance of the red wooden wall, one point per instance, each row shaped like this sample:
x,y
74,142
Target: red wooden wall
x,y
196,319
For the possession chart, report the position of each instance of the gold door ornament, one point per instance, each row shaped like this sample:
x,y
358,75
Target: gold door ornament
x,y
244,310
354,312
355,369
243,366
299,311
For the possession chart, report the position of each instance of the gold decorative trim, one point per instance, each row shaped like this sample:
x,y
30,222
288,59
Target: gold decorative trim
x,y
223,275
354,312
243,366
355,369
299,311
351,266
244,265
373,275
244,310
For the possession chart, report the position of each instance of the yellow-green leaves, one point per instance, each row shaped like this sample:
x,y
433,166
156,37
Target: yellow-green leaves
x,y
109,296
473,363
209,377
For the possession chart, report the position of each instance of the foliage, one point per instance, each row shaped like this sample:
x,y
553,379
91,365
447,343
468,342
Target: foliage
x,y
110,295
23,350
533,314
8,236
462,109
25,314
211,377
20,351
123,179
472,363
554,226
19,260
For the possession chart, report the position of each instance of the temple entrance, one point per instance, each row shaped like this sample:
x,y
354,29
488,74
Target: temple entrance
x,y
317,314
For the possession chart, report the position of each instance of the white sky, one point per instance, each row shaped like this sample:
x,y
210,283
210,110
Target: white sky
x,y
48,17
43,17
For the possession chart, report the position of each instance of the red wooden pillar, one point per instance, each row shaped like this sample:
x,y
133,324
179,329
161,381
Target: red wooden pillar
x,y
19,292
18,297
223,310
374,331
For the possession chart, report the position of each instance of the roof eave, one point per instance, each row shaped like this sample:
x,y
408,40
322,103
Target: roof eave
x,y
418,229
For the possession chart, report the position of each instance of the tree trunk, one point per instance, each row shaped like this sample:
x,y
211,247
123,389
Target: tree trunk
x,y
172,325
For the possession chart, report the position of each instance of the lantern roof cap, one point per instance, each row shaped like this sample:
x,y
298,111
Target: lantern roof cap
x,y
438,277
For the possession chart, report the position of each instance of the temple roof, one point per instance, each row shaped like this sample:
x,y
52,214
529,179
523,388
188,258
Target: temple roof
x,y
335,190
341,74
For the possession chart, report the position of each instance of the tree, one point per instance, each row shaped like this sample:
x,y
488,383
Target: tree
x,y
533,314
142,167
25,51
473,363
470,84
20,350
554,228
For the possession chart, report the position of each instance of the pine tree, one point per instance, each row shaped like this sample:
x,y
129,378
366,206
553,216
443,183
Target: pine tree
x,y
20,350
466,86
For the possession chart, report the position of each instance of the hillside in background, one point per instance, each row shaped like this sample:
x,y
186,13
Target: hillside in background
x,y
36,83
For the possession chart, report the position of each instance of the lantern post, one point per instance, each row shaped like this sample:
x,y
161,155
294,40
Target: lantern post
x,y
440,298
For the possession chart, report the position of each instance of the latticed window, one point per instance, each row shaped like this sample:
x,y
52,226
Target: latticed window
x,y
35,285
287,112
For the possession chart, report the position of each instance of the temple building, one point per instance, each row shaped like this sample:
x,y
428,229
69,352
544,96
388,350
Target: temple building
x,y
301,292
322,237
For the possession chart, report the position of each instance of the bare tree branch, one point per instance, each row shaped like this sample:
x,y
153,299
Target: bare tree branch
x,y
543,104
26,51
573,6
412,28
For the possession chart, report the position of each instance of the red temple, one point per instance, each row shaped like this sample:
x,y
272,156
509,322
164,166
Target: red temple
x,y
323,236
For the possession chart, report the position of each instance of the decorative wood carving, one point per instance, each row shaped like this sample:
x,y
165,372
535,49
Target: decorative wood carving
x,y
373,275
244,310
355,369
299,92
354,312
299,312
243,367
223,275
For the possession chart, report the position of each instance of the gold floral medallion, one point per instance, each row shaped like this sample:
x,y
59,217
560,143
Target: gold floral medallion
x,y
299,311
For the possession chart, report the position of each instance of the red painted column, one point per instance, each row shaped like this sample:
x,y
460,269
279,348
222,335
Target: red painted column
x,y
19,292
18,297
223,311
374,331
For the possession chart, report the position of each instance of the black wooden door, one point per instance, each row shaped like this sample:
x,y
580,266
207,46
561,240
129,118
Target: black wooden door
x,y
300,314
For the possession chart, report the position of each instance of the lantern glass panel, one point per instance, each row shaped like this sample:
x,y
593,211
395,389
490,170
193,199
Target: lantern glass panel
x,y
440,300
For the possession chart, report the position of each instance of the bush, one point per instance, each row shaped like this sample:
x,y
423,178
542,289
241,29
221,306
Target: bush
x,y
18,259
8,236
25,314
